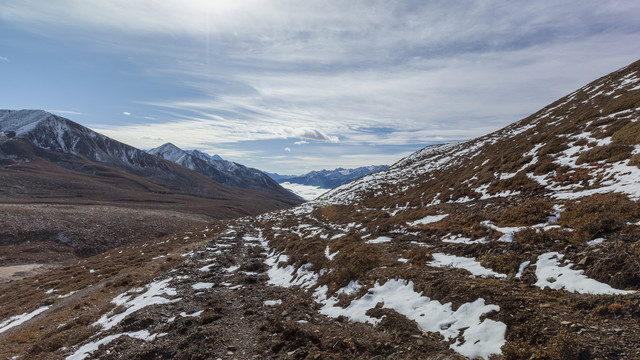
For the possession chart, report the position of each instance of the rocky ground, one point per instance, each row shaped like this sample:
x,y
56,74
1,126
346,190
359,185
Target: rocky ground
x,y
227,309
210,295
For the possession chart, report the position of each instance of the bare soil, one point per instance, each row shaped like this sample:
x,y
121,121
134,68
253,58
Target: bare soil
x,y
17,272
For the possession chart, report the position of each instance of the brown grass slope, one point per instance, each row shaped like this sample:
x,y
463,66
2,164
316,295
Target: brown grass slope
x,y
88,207
606,108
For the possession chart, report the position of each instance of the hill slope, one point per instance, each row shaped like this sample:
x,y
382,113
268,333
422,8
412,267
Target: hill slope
x,y
519,244
53,167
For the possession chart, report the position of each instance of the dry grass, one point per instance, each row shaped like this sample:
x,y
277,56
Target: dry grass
x,y
505,263
530,212
619,266
545,165
116,271
520,182
635,160
599,214
353,261
553,146
611,153
628,135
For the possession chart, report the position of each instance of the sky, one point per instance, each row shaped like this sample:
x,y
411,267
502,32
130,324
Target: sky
x,y
294,86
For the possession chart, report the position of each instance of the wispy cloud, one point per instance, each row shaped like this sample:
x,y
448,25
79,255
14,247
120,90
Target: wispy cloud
x,y
151,138
67,112
126,113
2,58
342,73
287,149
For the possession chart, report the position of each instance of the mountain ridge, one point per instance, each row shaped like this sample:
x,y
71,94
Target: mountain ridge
x,y
223,171
328,179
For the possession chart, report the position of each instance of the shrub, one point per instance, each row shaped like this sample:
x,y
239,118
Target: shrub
x,y
544,166
628,135
352,263
618,267
629,100
528,213
611,153
520,182
532,237
503,263
419,255
334,213
554,146
565,345
599,214
635,160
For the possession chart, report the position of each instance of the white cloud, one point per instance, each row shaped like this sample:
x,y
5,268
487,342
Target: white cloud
x,y
287,149
126,113
66,112
356,72
2,58
151,138
301,142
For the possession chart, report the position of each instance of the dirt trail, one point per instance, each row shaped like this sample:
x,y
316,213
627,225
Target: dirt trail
x,y
223,313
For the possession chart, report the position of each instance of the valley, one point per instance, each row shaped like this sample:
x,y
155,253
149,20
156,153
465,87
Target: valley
x,y
520,244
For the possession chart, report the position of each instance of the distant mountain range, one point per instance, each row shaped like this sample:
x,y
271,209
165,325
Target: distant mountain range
x,y
328,179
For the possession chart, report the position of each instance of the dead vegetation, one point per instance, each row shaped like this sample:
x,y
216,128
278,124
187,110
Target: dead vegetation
x,y
531,212
599,214
611,153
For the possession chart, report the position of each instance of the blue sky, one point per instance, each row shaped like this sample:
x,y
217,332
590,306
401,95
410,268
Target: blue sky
x,y
294,86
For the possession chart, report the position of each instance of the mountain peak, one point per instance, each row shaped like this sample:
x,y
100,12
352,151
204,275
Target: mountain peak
x,y
170,152
204,156
22,121
168,146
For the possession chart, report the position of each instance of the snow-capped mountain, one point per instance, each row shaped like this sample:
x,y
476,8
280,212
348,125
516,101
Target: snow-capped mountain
x,y
55,133
57,136
223,171
328,179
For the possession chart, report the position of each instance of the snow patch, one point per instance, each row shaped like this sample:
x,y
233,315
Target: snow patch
x,y
459,239
151,297
473,337
551,274
458,262
427,220
594,242
20,319
329,255
202,285
272,302
85,350
379,240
